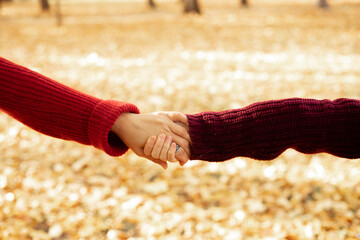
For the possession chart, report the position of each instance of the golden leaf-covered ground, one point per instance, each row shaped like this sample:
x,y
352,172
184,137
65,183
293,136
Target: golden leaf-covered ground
x,y
228,57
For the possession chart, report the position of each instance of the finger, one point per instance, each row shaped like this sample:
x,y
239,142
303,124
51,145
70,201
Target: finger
x,y
149,145
171,153
182,157
180,131
182,125
163,164
158,146
179,117
165,148
183,162
183,143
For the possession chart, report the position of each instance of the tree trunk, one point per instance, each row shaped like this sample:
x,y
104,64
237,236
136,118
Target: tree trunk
x,y
191,6
323,4
58,13
44,5
1,1
244,3
151,3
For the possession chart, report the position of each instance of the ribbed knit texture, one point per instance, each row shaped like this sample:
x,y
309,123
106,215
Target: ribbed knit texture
x,y
264,130
260,131
59,111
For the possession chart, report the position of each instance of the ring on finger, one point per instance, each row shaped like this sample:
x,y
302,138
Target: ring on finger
x,y
177,148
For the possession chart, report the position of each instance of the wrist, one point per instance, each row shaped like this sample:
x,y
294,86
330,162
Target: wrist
x,y
122,123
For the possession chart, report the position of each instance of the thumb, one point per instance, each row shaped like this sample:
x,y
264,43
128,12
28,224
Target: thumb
x,y
179,117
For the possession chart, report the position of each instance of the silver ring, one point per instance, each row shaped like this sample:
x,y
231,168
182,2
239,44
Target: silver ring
x,y
177,148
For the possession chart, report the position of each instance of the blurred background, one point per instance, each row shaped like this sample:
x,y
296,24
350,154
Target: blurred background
x,y
160,58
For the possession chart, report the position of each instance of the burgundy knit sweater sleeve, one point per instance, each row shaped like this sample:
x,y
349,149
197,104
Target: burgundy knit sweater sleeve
x,y
59,111
264,130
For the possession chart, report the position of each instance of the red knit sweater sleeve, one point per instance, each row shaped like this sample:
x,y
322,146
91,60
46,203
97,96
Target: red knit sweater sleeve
x,y
59,111
264,130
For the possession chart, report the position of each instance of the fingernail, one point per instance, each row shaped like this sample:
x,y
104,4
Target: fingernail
x,y
163,136
169,139
153,138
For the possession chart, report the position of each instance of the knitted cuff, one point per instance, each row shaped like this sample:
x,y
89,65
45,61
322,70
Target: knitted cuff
x,y
101,121
196,134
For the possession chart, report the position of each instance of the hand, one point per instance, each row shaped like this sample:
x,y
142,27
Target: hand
x,y
162,148
135,129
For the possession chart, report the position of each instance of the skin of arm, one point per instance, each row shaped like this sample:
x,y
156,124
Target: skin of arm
x,y
134,130
62,112
161,148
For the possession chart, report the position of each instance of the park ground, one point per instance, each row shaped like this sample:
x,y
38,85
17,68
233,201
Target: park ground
x,y
228,57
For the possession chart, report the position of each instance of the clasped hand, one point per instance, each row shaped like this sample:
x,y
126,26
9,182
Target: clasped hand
x,y
155,135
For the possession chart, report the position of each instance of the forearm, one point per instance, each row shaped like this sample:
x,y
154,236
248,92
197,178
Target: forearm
x,y
264,130
59,111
